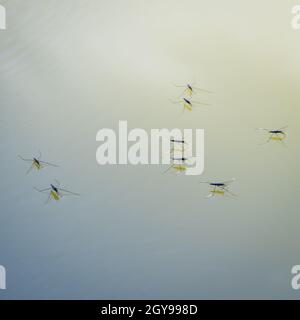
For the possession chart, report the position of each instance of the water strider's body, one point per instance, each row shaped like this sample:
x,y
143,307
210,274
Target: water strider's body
x,y
181,146
36,163
275,135
217,192
179,159
217,184
219,188
178,141
188,104
277,132
55,192
180,167
190,89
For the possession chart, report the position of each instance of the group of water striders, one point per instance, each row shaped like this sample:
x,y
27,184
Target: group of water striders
x,y
218,188
178,155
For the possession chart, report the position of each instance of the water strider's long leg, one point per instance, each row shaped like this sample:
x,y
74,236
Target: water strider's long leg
x,y
69,192
176,102
228,182
48,164
200,89
42,190
31,167
212,193
281,140
202,103
283,143
48,199
58,182
24,159
169,168
184,92
283,128
270,138
226,190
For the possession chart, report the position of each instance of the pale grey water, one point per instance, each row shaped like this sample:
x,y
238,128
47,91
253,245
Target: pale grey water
x,y
69,68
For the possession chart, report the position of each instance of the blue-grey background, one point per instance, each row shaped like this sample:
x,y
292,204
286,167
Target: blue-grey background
x,y
69,68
